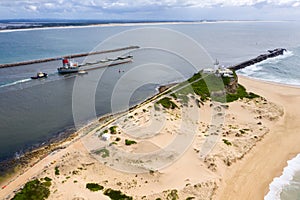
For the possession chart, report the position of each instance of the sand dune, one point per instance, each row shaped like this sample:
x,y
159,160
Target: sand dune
x,y
216,151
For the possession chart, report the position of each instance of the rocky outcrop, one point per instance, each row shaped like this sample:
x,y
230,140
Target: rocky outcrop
x,y
232,86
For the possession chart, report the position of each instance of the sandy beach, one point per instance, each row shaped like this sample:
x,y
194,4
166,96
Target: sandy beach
x,y
254,139
250,178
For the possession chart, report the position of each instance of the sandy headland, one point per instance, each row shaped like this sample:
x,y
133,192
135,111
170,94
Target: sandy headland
x,y
178,148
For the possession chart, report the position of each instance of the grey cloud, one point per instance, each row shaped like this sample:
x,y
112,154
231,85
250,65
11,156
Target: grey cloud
x,y
197,9
130,5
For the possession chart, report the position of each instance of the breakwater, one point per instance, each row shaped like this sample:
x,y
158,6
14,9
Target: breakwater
x,y
68,56
262,57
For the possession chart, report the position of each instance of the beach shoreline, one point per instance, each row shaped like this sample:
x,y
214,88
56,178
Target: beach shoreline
x,y
228,188
34,155
238,184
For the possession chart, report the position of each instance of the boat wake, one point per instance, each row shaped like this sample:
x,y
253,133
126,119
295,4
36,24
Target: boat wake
x,y
15,82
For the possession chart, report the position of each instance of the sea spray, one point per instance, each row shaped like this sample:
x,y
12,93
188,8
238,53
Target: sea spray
x,y
278,184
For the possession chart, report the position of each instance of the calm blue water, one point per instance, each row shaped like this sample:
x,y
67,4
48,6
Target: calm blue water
x,y
33,111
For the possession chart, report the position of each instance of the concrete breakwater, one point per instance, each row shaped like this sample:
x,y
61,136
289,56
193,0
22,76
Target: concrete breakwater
x,y
262,57
68,56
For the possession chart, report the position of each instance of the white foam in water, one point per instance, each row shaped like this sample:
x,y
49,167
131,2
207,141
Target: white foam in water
x,y
257,71
16,82
251,69
277,59
256,67
279,183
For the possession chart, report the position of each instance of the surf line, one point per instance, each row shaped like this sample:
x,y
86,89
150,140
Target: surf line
x,y
262,57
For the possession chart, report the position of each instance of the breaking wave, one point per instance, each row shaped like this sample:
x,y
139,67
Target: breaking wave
x,y
285,179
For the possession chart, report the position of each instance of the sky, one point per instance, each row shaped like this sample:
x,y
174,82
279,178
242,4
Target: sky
x,y
152,9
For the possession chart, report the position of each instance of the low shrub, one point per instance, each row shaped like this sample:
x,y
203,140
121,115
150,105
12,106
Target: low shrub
x,y
33,190
227,142
113,129
129,142
116,195
56,171
167,103
94,187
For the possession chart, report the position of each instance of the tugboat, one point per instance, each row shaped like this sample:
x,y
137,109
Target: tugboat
x,y
40,75
68,67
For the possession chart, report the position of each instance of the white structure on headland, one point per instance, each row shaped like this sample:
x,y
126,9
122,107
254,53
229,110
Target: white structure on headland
x,y
216,65
218,70
224,72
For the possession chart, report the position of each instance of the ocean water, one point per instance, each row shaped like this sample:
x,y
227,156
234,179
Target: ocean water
x,y
287,186
280,69
31,112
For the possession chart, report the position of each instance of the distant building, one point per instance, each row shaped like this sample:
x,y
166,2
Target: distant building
x,y
219,71
225,72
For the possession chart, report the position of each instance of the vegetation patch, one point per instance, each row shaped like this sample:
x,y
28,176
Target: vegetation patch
x,y
227,142
56,171
103,152
166,102
252,95
190,198
113,129
172,195
206,85
47,183
47,179
240,94
33,190
129,142
94,187
116,195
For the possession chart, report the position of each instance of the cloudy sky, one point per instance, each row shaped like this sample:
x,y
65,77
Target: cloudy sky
x,y
152,9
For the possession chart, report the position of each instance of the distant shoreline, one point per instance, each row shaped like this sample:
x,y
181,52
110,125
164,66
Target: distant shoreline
x,y
47,26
